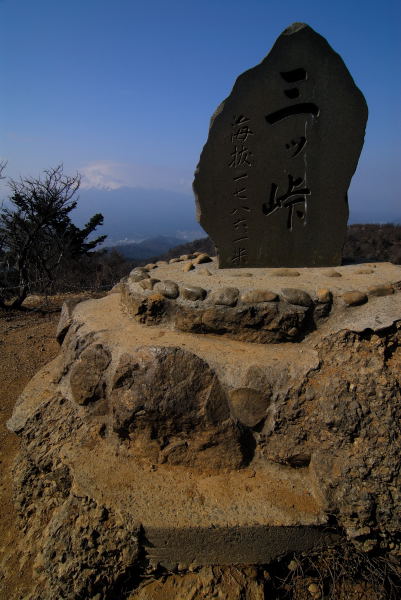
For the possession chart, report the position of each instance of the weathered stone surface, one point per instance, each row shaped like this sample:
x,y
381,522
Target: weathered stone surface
x,y
286,273
249,406
168,289
86,378
226,296
193,292
271,185
355,298
148,284
188,267
66,318
252,296
299,297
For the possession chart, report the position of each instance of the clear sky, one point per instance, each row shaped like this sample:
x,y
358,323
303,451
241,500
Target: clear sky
x,y
123,90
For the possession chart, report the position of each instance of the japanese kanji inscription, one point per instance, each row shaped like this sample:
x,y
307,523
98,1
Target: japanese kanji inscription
x,y
271,184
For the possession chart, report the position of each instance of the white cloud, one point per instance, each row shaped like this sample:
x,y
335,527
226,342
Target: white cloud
x,y
113,175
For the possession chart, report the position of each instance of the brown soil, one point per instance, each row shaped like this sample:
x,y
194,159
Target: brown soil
x,y
27,342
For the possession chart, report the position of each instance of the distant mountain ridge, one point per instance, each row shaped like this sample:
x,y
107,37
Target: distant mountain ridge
x,y
147,248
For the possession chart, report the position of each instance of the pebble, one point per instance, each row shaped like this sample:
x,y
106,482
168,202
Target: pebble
x,y
204,271
160,263
168,289
286,273
150,266
188,267
364,271
174,260
314,589
298,297
255,296
381,290
292,565
138,275
148,284
324,296
202,258
227,296
332,273
185,256
193,292
354,298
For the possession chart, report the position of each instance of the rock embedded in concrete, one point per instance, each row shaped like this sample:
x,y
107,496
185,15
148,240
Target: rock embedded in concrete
x,y
188,267
202,258
324,296
226,296
256,296
249,406
148,284
138,276
295,296
86,378
272,180
332,273
354,298
381,290
193,292
286,273
168,289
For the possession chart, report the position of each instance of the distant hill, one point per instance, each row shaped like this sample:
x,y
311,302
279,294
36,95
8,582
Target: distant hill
x,y
369,242
148,248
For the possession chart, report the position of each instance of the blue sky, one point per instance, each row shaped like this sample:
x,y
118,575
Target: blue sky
x,y
123,91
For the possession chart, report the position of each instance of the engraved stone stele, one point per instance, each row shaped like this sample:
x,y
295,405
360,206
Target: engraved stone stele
x,y
271,185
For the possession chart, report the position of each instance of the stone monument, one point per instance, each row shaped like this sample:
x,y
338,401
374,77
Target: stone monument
x,y
271,185
199,418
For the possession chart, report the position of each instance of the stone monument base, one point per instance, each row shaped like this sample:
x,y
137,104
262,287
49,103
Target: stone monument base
x,y
146,446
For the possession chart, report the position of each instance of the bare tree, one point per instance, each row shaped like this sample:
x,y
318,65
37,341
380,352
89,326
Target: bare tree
x,y
37,233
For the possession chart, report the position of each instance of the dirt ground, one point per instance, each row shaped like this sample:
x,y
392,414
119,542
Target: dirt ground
x,y
27,342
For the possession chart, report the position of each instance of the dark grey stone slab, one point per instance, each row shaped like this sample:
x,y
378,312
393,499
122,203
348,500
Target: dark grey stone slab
x,y
271,185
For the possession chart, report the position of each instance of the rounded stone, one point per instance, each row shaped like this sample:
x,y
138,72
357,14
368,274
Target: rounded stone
x,y
138,275
324,296
256,296
205,271
188,267
202,258
185,256
364,271
227,296
148,284
354,298
381,290
298,297
174,260
167,288
332,273
286,273
193,292
150,266
248,406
